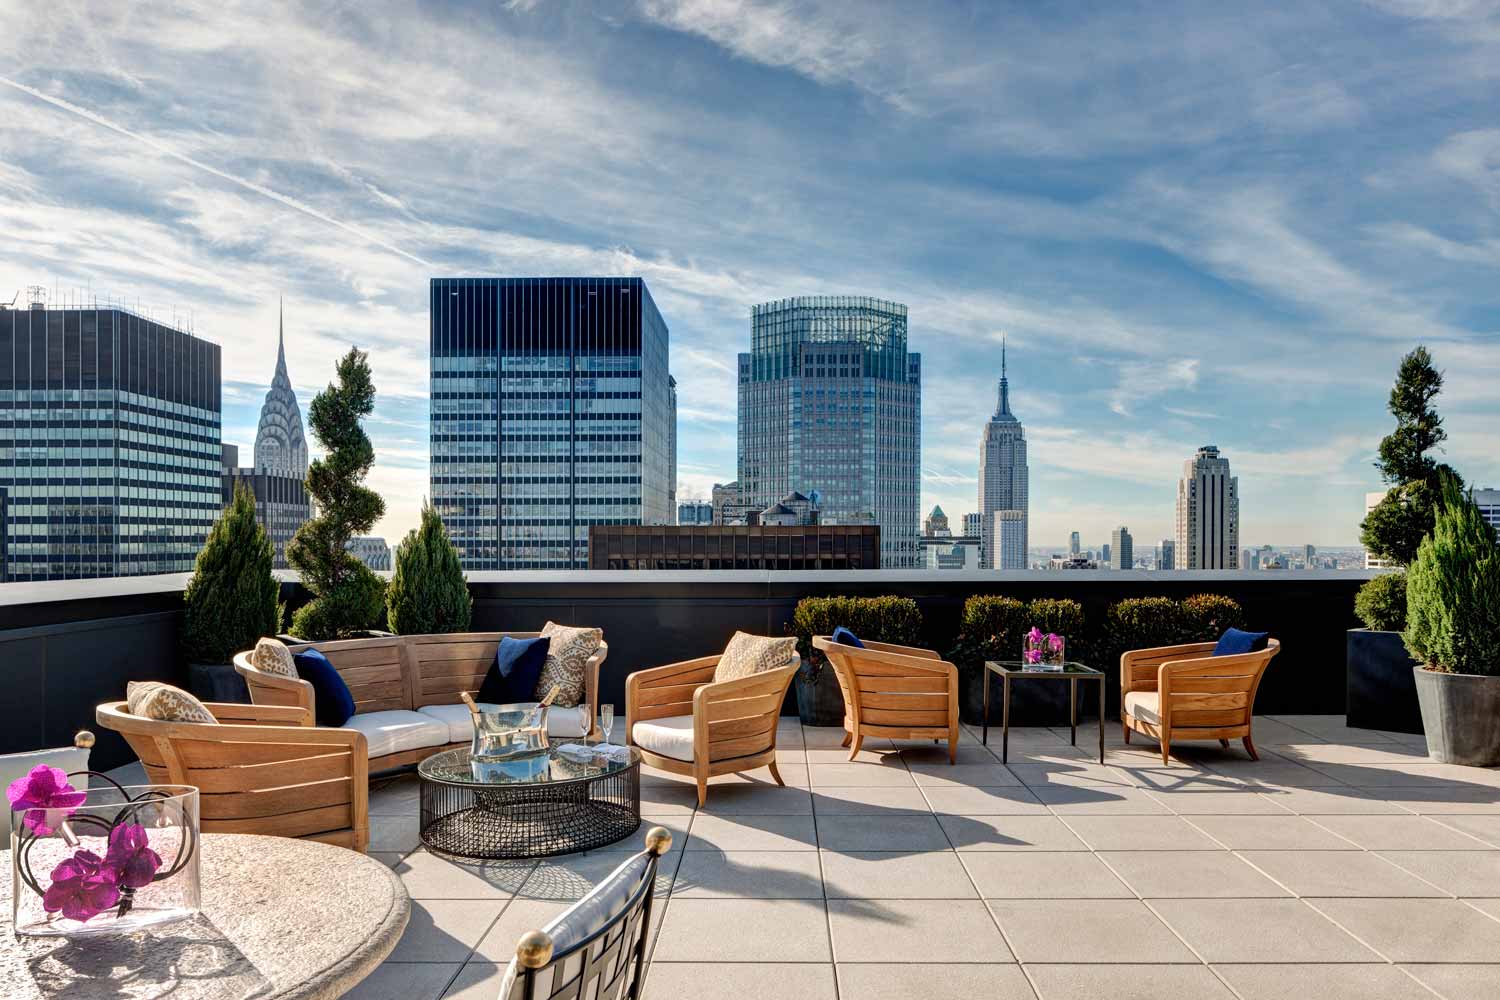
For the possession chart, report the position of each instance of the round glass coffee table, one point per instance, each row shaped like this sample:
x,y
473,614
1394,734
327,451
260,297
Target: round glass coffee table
x,y
553,802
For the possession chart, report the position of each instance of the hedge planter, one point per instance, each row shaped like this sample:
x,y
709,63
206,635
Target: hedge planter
x,y
1461,713
1030,704
1381,689
819,700
217,682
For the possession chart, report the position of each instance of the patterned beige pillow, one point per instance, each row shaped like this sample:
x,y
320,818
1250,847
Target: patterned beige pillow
x,y
749,654
272,657
165,703
568,652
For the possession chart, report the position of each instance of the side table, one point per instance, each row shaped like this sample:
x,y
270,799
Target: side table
x,y
1070,672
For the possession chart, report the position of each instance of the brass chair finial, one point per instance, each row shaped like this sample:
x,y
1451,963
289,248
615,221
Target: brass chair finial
x,y
83,739
658,840
534,950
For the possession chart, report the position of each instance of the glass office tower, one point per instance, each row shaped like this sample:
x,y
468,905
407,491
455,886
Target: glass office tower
x,y
830,401
550,412
109,443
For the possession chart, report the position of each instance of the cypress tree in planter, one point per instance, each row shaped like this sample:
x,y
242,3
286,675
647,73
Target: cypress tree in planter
x,y
427,593
1453,628
231,601
349,599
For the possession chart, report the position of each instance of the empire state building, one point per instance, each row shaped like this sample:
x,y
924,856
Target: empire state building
x,y
1003,489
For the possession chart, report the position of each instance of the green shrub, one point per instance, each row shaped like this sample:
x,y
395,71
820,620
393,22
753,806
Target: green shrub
x,y
879,619
1453,591
994,618
992,627
1204,617
427,592
1142,623
1381,603
233,599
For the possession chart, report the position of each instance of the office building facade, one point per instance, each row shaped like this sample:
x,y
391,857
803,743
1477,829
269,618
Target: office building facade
x,y
1489,505
695,512
282,504
372,550
109,443
1075,545
1003,482
1122,549
551,412
972,526
935,524
718,546
830,402
1208,513
1166,555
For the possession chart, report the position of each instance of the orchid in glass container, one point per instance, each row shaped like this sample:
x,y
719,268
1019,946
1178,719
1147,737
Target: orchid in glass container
x,y
1043,651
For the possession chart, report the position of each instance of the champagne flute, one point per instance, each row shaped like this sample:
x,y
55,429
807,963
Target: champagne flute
x,y
606,720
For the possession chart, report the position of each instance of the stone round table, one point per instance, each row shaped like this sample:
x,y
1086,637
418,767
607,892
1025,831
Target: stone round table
x,y
282,919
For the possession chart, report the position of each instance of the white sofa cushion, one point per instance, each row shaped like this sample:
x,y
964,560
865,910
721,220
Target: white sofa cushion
x,y
561,721
1144,705
399,730
670,737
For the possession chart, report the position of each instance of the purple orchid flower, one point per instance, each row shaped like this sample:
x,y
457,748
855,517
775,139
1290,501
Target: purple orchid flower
x,y
1034,637
1032,656
130,856
1054,642
82,887
41,794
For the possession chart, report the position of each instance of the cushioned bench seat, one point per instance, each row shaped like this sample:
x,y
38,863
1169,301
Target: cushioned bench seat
x,y
398,731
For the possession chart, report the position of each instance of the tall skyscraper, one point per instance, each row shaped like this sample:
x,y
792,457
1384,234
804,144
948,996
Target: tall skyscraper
x,y
1104,554
1309,557
972,528
1208,512
1166,556
1009,539
935,524
1003,479
551,411
1075,545
831,401
278,475
1122,549
672,445
111,425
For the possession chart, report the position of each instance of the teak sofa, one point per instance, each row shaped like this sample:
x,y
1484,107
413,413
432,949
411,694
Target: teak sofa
x,y
898,692
1186,693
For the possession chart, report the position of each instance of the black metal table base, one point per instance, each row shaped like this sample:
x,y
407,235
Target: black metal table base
x,y
530,820
1073,680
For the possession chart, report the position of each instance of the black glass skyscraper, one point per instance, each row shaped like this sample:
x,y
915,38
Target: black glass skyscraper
x,y
109,443
550,412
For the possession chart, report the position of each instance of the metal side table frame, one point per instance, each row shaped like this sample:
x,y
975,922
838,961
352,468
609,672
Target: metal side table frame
x,y
1071,672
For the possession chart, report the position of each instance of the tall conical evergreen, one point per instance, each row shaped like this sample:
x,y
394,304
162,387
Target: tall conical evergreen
x,y
427,593
233,599
1453,590
349,596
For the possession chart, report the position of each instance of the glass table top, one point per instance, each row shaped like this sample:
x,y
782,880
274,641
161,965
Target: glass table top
x,y
1069,669
563,761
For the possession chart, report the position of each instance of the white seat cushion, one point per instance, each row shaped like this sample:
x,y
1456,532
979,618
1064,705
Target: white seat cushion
x,y
670,737
563,722
1144,705
399,730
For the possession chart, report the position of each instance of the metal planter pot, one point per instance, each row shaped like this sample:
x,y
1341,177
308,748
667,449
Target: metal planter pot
x,y
819,700
1461,714
1380,690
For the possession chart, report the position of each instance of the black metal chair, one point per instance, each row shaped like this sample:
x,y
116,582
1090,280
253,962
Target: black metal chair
x,y
595,949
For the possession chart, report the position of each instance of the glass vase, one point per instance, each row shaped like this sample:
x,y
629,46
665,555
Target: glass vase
x,y
107,860
1043,652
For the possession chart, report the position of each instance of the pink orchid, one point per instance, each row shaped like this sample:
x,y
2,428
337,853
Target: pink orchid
x,y
130,856
82,887
1054,642
1034,636
41,793
1032,656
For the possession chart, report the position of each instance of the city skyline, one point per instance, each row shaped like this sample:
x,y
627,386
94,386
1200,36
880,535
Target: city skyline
x,y
1244,265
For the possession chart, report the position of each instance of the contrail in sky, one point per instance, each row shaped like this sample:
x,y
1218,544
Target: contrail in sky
x,y
166,150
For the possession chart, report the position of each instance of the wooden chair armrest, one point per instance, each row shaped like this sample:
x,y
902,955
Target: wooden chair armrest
x,y
916,660
684,672
685,675
742,686
260,715
891,647
591,686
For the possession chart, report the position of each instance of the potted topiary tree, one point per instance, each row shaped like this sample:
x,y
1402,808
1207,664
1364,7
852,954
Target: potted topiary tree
x,y
348,598
231,601
427,593
1381,692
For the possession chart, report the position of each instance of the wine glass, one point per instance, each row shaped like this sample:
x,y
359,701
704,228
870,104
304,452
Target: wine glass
x,y
606,720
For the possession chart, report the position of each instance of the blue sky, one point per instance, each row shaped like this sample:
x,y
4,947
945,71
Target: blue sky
x,y
1194,222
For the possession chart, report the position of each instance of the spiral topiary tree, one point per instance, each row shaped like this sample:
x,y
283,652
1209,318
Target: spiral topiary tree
x,y
348,596
1453,591
427,592
233,599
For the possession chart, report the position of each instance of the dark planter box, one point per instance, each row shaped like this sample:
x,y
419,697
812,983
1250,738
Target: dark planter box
x,y
1382,692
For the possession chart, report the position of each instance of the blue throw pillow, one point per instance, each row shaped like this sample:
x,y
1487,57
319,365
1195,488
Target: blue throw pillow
x,y
512,677
844,637
1235,641
332,702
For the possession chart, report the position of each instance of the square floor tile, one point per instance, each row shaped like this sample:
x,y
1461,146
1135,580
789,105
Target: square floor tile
x,y
874,802
959,801
1402,833
1087,930
1338,873
1483,827
736,981
1189,874
865,775
1073,773
435,876
571,876
1445,800
877,981
1332,800
889,833
1127,982
1097,800
1459,982
1461,873
1325,982
751,833
1139,833
1418,930
1241,802
1260,930
476,981
993,775
499,943
1009,833
938,930
408,980
744,930
394,833
749,875
895,875
1042,875
929,753
445,930
758,799
1270,833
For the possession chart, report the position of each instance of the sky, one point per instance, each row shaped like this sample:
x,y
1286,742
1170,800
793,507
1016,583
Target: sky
x,y
1193,223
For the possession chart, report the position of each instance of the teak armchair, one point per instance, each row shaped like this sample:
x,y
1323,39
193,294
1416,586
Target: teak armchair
x,y
898,692
263,769
695,727
1186,693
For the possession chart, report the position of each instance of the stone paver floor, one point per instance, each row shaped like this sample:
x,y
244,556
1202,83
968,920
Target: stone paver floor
x,y
1343,864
